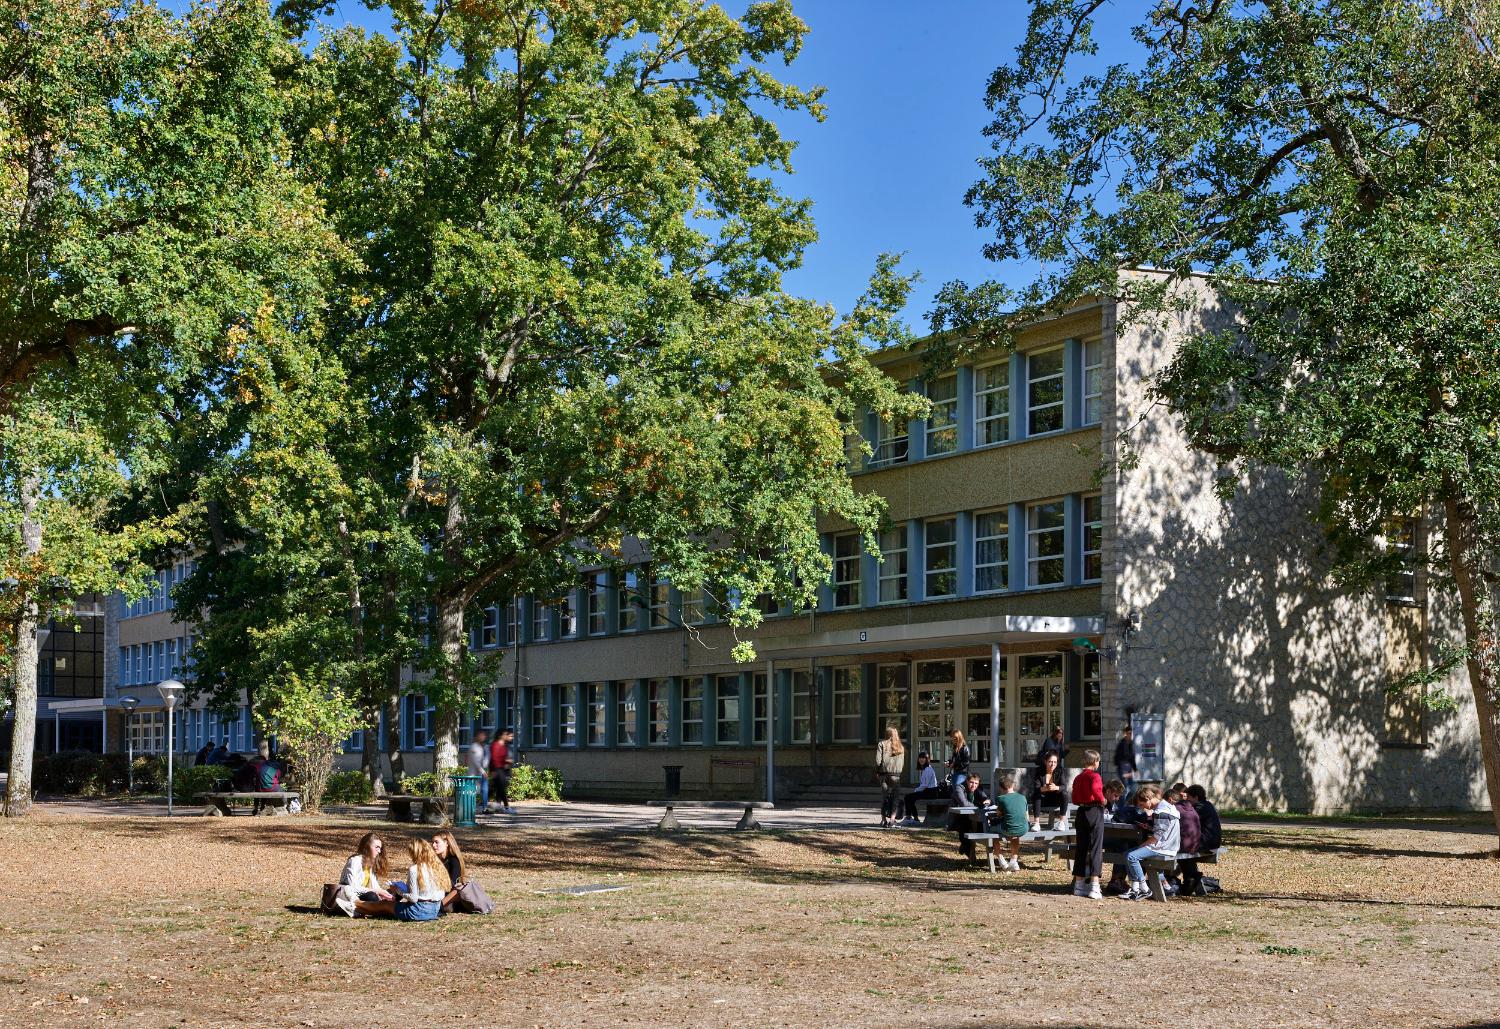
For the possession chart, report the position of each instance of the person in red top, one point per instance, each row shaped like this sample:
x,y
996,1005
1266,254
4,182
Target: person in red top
x,y
1088,827
502,759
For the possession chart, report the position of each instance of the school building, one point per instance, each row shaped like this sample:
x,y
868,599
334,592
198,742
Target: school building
x,y
1055,554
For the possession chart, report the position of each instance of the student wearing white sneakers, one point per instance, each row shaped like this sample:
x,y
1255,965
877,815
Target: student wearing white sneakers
x,y
1088,839
1011,822
1162,836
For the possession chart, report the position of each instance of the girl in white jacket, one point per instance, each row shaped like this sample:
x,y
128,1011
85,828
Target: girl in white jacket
x,y
365,874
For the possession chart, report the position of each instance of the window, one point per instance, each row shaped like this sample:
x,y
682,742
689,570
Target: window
x,y
892,691
727,698
594,698
1093,538
659,709
802,706
992,404
893,565
991,551
625,714
847,557
541,622
511,627
942,421
1093,723
421,722
1044,392
424,624
489,630
891,443
598,600
629,612
1044,543
1093,382
692,710
567,715
696,606
567,617
660,601
848,704
507,711
941,567
147,731
1401,543
484,711
539,714
125,679
761,701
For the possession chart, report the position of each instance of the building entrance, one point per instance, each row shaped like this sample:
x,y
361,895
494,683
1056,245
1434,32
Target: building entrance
x,y
937,711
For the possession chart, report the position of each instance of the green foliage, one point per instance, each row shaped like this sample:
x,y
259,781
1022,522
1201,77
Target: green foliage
x,y
190,782
80,773
310,721
349,787
427,784
531,783
150,773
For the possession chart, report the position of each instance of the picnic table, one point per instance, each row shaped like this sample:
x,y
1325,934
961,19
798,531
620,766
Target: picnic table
x,y
276,800
1120,838
1047,838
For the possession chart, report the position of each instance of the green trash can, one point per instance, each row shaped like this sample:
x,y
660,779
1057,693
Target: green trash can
x,y
465,799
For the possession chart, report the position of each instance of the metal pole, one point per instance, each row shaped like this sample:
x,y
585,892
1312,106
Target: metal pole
x,y
771,695
994,719
56,731
171,740
129,757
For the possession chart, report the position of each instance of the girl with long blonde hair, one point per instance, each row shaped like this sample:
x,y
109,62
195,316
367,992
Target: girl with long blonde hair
x,y
890,762
426,884
446,848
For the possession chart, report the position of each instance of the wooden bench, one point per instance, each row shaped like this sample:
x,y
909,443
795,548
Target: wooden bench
x,y
1154,867
433,810
275,800
937,811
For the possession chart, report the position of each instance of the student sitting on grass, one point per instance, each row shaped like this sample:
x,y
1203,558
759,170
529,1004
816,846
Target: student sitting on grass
x,y
364,874
1161,839
1010,822
426,884
446,849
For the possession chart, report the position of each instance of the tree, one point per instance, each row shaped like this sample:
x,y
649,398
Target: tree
x,y
310,721
1332,166
150,207
566,319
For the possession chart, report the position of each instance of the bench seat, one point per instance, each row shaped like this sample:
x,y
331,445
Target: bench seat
x,y
431,810
1154,867
217,803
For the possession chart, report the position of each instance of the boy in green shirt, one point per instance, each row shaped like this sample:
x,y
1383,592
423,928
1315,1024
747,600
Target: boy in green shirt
x,y
1011,822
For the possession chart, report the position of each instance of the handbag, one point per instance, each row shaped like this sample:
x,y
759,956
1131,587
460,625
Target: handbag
x,y
328,904
473,900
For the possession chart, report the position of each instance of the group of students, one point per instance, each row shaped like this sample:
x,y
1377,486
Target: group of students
x,y
492,763
434,880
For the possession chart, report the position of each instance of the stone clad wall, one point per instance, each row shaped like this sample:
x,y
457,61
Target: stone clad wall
x,y
1270,675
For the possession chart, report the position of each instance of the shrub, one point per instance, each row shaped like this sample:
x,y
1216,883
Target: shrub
x,y
189,783
348,788
79,773
151,773
427,784
310,721
529,783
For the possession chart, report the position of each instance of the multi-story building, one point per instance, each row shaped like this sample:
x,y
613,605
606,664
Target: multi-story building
x,y
1055,554
69,681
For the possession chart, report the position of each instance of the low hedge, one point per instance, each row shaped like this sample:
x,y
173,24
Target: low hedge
x,y
425,784
189,783
530,783
348,788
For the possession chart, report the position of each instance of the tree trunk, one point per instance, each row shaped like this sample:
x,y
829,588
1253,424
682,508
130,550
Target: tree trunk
x,y
392,686
1481,634
369,759
453,641
23,731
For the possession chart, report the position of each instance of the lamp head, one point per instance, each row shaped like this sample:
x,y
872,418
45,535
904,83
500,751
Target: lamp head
x,y
170,690
129,703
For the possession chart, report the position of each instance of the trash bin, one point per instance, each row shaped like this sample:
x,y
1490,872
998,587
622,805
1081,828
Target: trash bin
x,y
674,779
465,799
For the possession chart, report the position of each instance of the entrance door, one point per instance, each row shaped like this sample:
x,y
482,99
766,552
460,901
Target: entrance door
x,y
1040,698
937,711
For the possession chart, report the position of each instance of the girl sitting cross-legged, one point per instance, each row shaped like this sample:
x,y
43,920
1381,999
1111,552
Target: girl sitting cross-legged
x,y
364,874
427,883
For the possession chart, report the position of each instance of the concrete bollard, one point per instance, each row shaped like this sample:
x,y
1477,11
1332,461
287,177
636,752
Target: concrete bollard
x,y
669,822
747,820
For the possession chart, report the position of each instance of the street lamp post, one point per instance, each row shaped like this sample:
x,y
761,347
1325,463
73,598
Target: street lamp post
x,y
129,703
169,690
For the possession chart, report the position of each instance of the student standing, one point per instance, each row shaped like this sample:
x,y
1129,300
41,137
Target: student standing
x,y
890,762
1088,841
1161,840
502,760
478,759
1054,744
1125,759
958,764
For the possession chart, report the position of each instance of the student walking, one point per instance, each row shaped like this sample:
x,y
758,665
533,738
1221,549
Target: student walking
x,y
478,759
1088,840
1162,837
502,760
890,762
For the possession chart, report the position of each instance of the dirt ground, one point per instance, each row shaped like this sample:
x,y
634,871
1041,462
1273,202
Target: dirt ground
x,y
198,921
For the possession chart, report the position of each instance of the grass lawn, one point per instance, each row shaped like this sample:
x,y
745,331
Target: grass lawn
x,y
146,921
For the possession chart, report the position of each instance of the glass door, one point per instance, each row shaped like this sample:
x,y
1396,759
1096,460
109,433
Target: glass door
x,y
937,711
1040,698
977,694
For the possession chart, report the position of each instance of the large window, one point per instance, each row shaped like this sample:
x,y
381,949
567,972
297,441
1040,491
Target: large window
x,y
1093,382
567,616
597,585
659,709
992,404
489,629
893,573
942,421
625,714
802,706
1045,545
890,445
1044,391
147,731
761,699
1401,543
696,606
892,692
941,550
692,710
567,714
1093,723
421,722
847,558
848,704
1093,538
660,601
541,622
991,551
629,614
539,716
594,700
727,699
